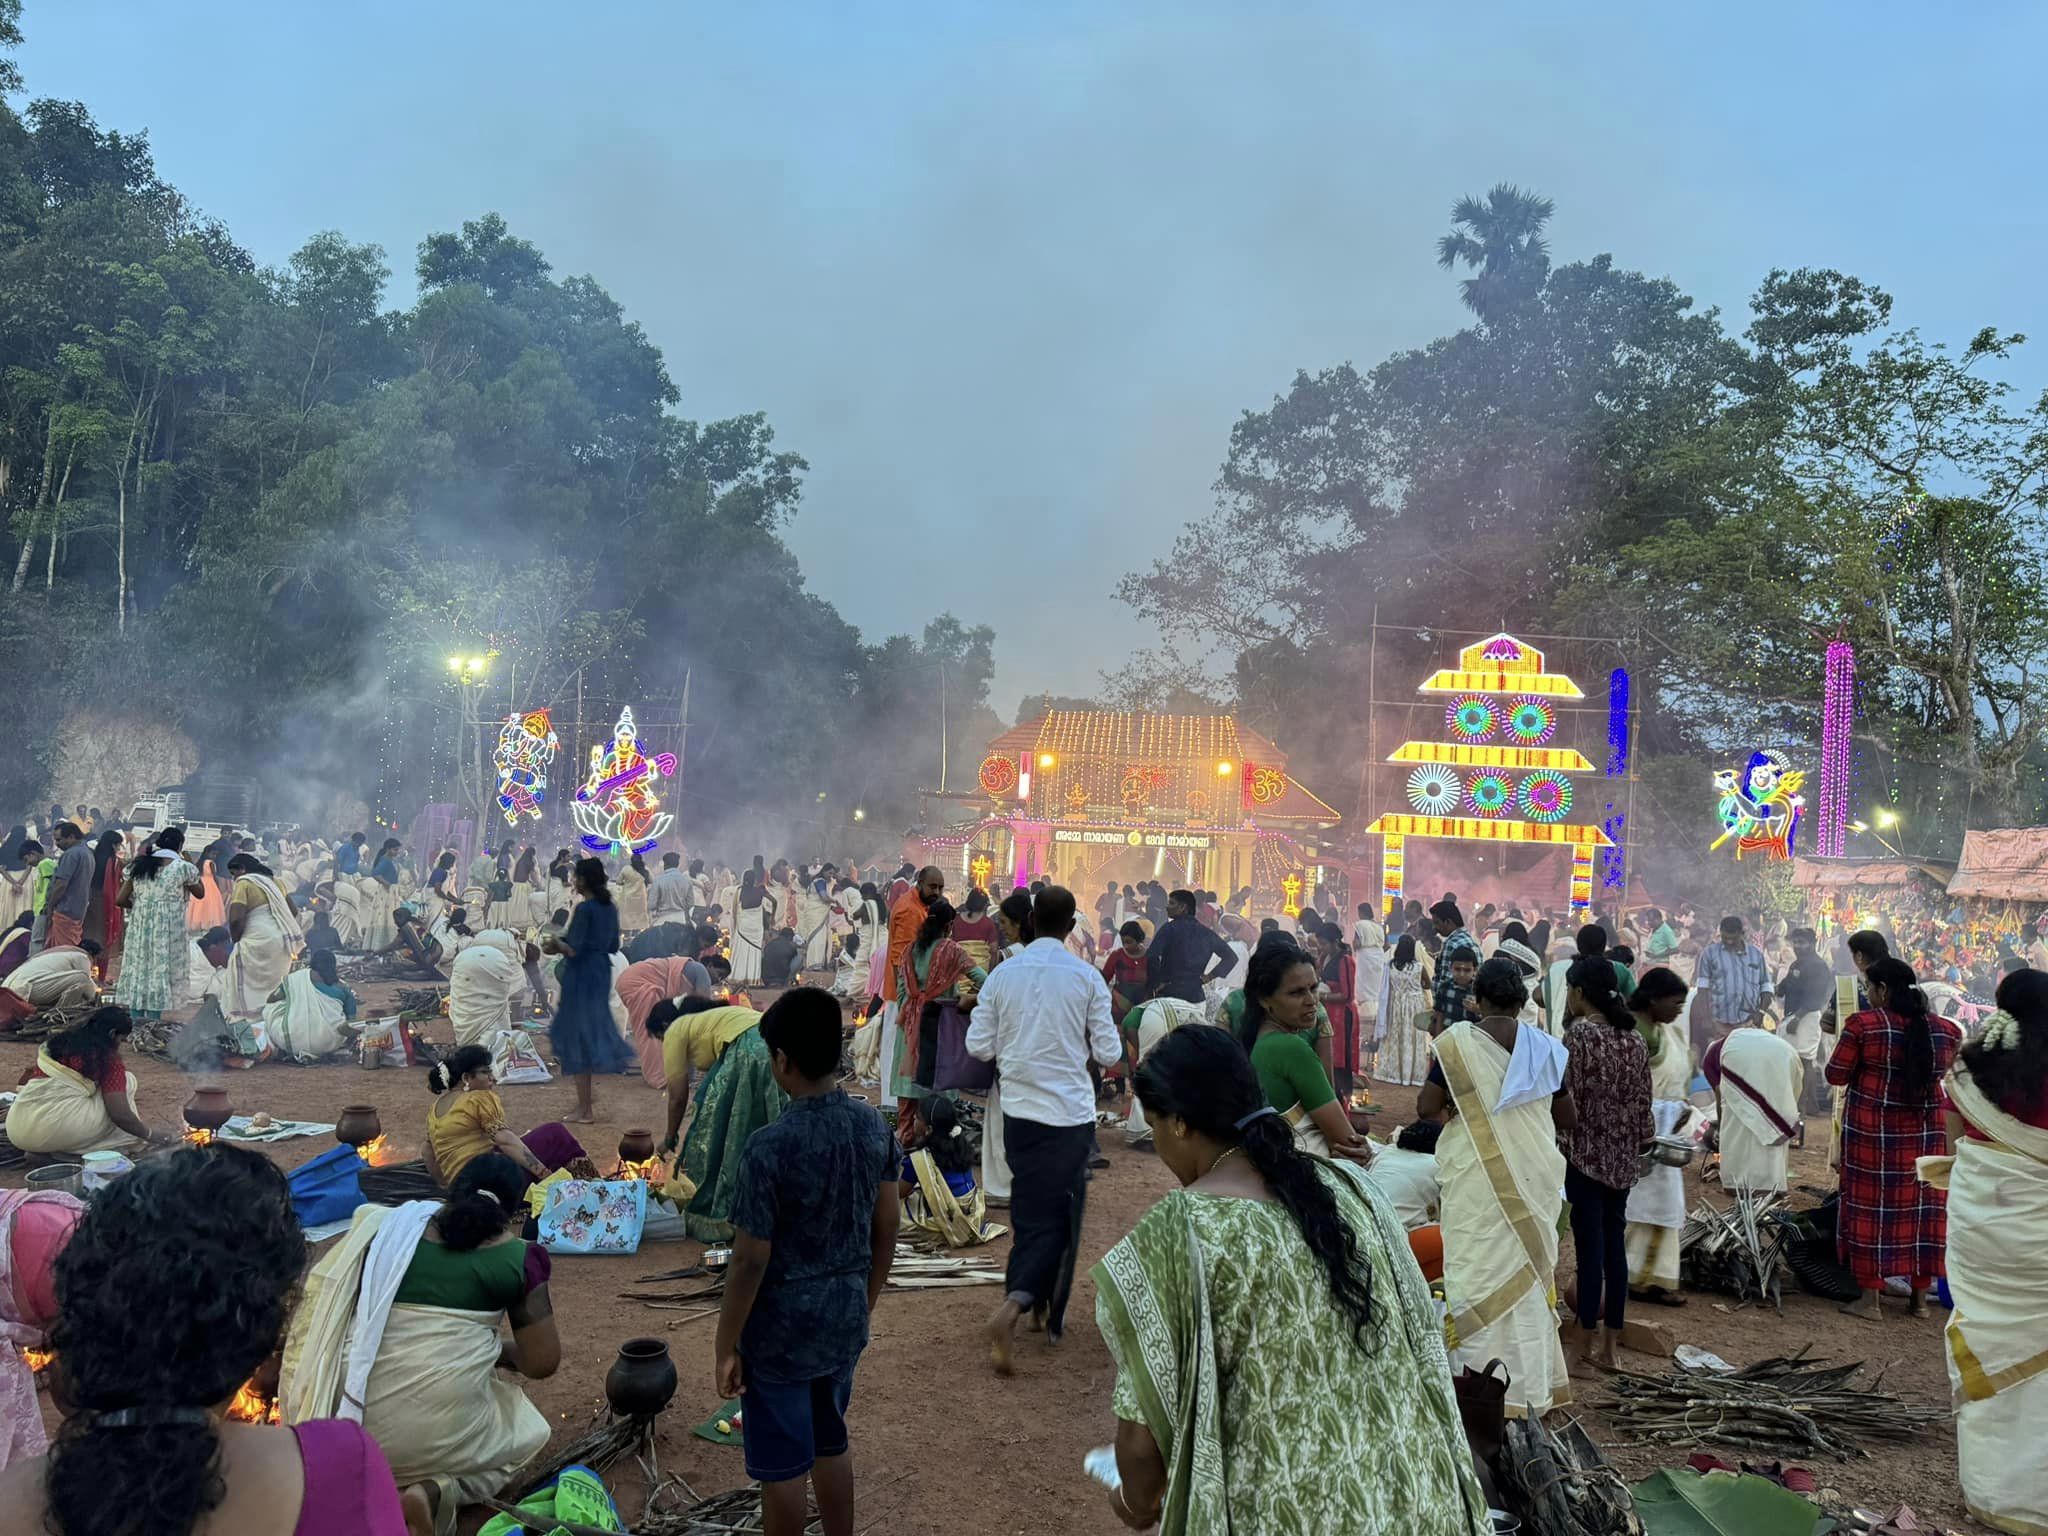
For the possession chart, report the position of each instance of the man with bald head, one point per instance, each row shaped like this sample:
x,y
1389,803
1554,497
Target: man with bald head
x,y
905,918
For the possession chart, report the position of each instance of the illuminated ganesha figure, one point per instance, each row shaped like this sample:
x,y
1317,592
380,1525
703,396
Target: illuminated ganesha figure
x,y
527,745
617,810
1760,805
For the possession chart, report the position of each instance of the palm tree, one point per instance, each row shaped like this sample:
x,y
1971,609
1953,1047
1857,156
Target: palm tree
x,y
1502,237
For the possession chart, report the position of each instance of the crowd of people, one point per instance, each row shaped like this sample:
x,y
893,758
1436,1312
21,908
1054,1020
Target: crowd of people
x,y
1307,1284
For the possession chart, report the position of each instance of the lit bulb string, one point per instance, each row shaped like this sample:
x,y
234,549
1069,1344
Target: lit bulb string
x,y
1614,861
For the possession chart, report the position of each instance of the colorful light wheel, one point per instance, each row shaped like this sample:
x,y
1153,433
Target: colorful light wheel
x,y
1545,797
1434,791
1471,718
1489,794
1532,722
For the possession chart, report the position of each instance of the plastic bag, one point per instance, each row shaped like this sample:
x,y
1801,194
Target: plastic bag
x,y
594,1216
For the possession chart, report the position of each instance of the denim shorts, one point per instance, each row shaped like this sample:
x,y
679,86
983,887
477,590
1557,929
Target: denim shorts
x,y
789,1425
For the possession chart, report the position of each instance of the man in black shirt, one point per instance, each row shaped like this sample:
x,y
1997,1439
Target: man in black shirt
x,y
1178,963
778,959
1806,988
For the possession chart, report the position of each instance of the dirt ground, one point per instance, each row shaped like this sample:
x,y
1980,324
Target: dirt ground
x,y
941,1444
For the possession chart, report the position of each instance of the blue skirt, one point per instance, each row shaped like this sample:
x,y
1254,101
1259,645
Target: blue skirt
x,y
584,1037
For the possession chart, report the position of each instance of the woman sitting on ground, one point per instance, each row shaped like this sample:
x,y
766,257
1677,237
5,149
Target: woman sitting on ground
x,y
1279,1363
80,1096
468,1122
35,1224
307,1019
738,1096
430,1284
151,1348
1279,1011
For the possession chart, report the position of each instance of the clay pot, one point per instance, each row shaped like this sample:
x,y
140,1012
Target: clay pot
x,y
208,1108
358,1124
636,1145
641,1380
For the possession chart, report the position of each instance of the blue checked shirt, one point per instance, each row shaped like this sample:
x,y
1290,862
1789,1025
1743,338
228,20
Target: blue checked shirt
x,y
1737,981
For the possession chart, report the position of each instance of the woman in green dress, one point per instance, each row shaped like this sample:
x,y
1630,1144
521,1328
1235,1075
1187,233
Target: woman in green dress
x,y
1279,1363
1279,1011
736,1095
154,959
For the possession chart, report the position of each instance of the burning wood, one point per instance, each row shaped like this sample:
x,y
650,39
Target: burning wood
x,y
38,1359
651,1170
378,1152
252,1405
196,1137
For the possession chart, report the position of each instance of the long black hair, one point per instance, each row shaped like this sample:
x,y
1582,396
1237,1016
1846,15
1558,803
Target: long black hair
x,y
595,882
487,1193
948,1143
1017,908
1404,951
938,917
1902,996
147,1320
91,1044
1204,1077
1600,984
106,849
146,865
2013,1071
1267,968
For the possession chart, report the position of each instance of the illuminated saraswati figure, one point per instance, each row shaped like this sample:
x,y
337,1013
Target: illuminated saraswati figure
x,y
1760,805
617,810
527,745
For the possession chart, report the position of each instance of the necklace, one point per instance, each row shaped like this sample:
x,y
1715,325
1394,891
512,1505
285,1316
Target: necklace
x,y
1227,1152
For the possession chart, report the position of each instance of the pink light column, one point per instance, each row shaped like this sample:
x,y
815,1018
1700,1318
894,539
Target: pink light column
x,y
1837,742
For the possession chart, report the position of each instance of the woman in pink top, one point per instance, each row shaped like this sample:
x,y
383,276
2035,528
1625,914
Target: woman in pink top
x,y
172,1293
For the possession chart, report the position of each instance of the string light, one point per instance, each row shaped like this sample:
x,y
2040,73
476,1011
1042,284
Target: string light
x,y
527,745
1837,740
1555,759
1434,791
1532,722
1613,861
617,810
1760,805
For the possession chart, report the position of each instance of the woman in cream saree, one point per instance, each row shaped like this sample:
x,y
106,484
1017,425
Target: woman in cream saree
x,y
267,939
1997,1233
1502,1179
422,1379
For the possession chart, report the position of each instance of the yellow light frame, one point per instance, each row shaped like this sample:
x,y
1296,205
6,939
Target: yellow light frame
x,y
1477,829
1543,684
1554,759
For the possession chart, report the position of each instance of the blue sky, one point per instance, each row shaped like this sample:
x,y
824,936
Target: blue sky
x,y
1006,275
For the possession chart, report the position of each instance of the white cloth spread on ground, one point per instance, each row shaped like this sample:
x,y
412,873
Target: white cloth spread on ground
x,y
1502,1178
1754,1149
1997,1363
482,982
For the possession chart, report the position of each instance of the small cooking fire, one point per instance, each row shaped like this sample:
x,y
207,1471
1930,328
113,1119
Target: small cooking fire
x,y
253,1406
39,1359
378,1152
652,1170
197,1137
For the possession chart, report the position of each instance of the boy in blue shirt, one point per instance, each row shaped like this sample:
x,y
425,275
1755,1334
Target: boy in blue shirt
x,y
814,1220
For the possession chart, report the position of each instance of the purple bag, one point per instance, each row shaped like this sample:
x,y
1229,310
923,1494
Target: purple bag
x,y
955,1070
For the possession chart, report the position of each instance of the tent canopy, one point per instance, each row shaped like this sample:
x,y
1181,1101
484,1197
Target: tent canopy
x,y
1867,874
2011,863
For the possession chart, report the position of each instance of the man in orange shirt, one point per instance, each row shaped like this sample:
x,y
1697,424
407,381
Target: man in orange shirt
x,y
905,918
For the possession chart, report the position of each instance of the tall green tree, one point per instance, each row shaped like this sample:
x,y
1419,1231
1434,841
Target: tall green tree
x,y
1500,238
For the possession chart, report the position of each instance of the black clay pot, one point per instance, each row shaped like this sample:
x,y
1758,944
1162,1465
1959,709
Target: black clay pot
x,y
641,1380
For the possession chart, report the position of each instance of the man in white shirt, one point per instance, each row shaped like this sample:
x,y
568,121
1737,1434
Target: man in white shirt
x,y
668,893
61,977
1406,1174
1042,1015
205,958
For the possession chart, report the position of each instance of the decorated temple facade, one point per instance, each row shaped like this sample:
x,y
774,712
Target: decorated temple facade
x,y
1086,797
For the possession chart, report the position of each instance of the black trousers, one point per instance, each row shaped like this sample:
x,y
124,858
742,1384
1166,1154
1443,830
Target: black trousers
x,y
1600,1238
1048,1191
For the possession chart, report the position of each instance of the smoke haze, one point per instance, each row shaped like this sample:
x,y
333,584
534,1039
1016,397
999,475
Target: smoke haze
x,y
1007,278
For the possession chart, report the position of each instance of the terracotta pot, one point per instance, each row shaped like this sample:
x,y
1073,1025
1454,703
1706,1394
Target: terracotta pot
x,y
636,1145
208,1108
641,1380
358,1124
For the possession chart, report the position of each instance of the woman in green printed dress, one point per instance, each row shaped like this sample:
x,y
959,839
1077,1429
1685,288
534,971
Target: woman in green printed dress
x,y
1280,1366
154,958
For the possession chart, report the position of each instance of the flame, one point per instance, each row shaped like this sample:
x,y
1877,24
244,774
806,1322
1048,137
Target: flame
x,y
39,1359
198,1137
378,1152
252,1406
652,1171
